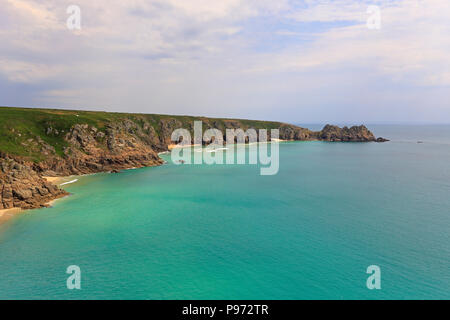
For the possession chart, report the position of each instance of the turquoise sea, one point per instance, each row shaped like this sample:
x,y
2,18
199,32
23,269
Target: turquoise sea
x,y
226,232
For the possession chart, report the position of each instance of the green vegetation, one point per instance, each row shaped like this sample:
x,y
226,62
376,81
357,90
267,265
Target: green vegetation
x,y
22,128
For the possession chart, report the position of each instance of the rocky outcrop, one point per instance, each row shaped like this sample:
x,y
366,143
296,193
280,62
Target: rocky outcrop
x,y
22,187
123,145
88,150
118,144
345,134
290,132
167,127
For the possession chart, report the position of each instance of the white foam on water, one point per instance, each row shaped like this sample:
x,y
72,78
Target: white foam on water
x,y
69,182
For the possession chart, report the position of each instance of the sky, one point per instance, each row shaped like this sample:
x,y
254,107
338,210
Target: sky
x,y
299,61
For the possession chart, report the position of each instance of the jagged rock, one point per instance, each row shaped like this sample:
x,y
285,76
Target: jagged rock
x,y
117,145
42,191
353,134
167,127
21,186
290,132
22,194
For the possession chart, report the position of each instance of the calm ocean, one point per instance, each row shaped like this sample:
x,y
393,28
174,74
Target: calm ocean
x,y
226,232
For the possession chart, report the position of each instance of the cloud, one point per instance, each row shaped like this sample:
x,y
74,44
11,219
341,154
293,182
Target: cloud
x,y
331,11
25,72
410,47
231,57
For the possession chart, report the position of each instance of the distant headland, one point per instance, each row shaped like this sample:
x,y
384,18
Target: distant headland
x,y
39,143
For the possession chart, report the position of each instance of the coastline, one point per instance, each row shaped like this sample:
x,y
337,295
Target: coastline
x,y
63,180
59,181
172,146
7,214
54,180
114,143
50,228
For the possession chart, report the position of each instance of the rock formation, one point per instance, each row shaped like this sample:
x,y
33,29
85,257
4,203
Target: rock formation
x,y
23,187
345,134
110,145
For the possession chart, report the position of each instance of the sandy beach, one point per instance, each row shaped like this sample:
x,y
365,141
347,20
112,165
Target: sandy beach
x,y
61,181
173,146
55,180
6,214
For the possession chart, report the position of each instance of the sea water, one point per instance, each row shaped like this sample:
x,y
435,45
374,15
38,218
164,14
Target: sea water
x,y
226,232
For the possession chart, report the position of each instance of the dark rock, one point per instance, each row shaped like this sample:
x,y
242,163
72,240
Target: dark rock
x,y
23,187
345,134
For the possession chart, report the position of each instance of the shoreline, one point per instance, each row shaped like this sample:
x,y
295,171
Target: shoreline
x,y
7,214
54,180
177,146
172,146
62,179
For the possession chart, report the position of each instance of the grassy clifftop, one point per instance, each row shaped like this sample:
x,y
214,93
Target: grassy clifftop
x,y
21,128
35,143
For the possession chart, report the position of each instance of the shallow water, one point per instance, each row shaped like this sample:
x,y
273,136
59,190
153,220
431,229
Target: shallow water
x,y
226,232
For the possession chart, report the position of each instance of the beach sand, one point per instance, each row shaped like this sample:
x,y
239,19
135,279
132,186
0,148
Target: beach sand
x,y
60,181
6,214
173,146
55,180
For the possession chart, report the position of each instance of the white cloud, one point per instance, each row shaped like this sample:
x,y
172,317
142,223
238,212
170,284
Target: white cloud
x,y
228,53
412,46
330,11
25,72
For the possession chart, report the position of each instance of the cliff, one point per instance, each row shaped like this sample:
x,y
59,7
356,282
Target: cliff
x,y
43,142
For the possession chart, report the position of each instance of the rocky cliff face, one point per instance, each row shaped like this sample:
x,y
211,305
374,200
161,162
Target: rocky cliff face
x,y
22,187
122,145
117,145
353,134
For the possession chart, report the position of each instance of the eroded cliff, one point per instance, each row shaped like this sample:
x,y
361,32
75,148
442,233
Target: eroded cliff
x,y
38,142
